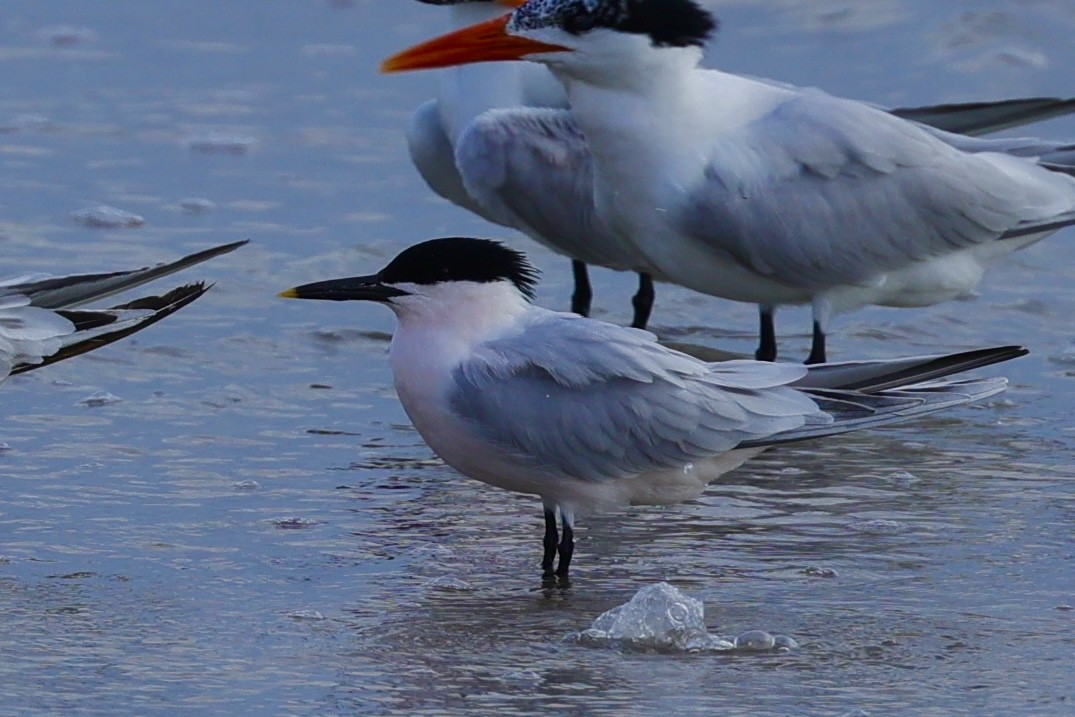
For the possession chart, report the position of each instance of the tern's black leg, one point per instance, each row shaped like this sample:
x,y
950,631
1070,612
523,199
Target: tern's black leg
x,y
817,346
567,549
583,296
767,347
643,301
551,541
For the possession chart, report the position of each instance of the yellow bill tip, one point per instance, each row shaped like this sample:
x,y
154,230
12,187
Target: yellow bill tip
x,y
288,294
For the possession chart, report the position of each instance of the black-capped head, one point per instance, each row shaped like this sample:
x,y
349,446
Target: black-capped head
x,y
461,259
667,23
436,261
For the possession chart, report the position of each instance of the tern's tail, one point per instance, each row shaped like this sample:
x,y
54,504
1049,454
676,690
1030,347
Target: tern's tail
x,y
850,410
978,118
881,375
100,327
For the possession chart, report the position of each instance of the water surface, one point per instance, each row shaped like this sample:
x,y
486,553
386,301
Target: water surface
x,y
253,528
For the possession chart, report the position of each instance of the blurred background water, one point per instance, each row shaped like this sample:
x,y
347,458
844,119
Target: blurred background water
x,y
243,522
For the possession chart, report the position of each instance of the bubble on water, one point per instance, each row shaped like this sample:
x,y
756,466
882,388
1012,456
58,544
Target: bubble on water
x,y
527,676
220,143
246,485
1065,608
904,478
196,205
5,447
755,641
106,217
658,616
294,523
818,572
305,615
785,643
101,398
67,35
879,527
450,584
27,122
1063,358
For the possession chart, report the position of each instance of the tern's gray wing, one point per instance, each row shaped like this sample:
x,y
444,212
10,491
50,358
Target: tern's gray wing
x,y
77,289
824,191
533,170
1042,151
977,118
599,402
853,410
433,156
94,328
32,337
28,333
873,376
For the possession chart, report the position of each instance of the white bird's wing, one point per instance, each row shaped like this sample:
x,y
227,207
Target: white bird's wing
x,y
27,333
824,191
32,337
55,292
600,402
532,169
434,157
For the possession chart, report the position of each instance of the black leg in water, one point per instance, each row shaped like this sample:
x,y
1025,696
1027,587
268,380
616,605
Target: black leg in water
x,y
583,296
643,301
767,347
552,539
567,549
817,346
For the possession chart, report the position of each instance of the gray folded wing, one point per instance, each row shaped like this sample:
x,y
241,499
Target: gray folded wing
x,y
433,156
93,328
599,402
853,410
532,169
824,191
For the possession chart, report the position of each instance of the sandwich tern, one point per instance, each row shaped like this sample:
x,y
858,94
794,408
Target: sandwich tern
x,y
41,322
765,192
589,415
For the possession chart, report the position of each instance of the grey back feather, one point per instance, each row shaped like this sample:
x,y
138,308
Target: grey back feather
x,y
599,402
880,193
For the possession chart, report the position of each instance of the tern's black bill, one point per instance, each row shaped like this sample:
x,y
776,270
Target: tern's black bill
x,y
356,288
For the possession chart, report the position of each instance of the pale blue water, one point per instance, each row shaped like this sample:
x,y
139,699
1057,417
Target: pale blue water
x,y
253,527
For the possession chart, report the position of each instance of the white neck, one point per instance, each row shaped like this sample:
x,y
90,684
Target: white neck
x,y
443,322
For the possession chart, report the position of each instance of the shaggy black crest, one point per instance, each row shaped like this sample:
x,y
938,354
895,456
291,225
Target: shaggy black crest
x,y
668,23
461,259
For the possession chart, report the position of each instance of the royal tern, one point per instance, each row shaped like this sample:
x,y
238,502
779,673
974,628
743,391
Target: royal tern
x,y
40,322
589,415
494,164
763,192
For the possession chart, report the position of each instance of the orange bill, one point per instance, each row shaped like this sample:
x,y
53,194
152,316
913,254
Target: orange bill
x,y
512,3
485,42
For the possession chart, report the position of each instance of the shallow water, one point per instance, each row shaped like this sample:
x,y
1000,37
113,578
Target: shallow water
x,y
253,528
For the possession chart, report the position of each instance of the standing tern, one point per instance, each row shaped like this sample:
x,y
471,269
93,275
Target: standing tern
x,y
763,192
589,415
496,164
499,141
40,322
